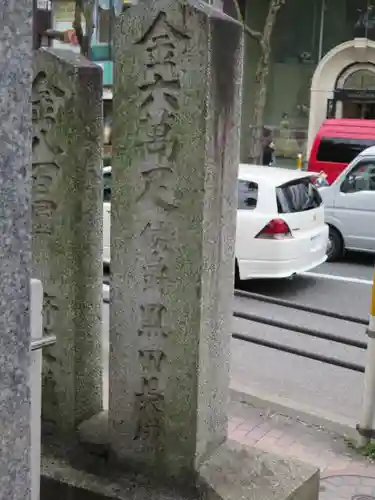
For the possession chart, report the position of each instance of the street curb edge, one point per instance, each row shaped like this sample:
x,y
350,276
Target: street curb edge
x,y
331,422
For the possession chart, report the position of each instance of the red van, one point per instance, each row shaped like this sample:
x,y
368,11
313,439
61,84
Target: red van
x,y
337,143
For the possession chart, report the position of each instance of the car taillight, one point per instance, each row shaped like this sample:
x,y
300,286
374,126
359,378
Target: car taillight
x,y
276,229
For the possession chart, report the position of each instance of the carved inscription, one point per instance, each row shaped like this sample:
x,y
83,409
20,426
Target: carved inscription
x,y
158,142
43,206
46,102
158,238
158,235
159,105
151,360
50,308
150,403
152,323
50,356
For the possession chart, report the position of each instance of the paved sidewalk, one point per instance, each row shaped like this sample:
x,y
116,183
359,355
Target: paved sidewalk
x,y
345,475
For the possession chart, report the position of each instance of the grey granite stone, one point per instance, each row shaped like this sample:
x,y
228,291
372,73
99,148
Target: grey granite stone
x,y
67,209
175,161
103,481
232,473
235,472
15,255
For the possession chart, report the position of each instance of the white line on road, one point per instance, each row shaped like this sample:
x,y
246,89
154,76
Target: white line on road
x,y
332,277
346,279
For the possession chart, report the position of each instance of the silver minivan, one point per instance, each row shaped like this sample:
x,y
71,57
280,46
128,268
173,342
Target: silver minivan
x,y
350,207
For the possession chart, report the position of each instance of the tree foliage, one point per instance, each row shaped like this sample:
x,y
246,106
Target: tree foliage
x,y
261,77
84,9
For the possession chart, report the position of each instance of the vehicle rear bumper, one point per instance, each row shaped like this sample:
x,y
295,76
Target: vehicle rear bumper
x,y
286,258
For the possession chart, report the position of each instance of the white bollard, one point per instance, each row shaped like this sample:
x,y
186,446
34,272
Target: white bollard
x,y
36,319
368,399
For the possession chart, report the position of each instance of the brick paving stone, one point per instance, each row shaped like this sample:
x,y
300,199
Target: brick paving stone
x,y
347,488
344,473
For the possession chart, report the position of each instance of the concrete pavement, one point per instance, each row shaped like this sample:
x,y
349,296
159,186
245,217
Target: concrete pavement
x,y
326,391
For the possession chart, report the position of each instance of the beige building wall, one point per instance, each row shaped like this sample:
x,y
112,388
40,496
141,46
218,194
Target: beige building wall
x,y
353,53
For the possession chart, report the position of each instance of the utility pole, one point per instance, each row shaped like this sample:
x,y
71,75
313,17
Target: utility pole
x,y
366,425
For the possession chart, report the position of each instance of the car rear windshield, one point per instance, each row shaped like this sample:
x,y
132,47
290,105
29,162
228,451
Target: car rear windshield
x,y
341,150
297,196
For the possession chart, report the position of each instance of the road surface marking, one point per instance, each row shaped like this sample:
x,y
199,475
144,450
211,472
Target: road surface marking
x,y
333,277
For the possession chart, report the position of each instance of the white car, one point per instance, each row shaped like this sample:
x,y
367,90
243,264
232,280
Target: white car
x,y
107,176
350,207
280,222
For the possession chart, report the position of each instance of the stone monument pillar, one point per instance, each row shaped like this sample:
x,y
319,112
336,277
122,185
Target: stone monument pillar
x,y
67,231
174,200
15,252
175,162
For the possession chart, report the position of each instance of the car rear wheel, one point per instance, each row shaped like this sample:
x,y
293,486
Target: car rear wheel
x,y
335,247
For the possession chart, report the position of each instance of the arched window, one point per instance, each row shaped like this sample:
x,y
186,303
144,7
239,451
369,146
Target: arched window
x,y
362,79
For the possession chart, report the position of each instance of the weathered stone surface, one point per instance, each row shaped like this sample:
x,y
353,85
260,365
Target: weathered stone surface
x,y
93,434
67,231
15,255
176,155
235,472
232,473
61,481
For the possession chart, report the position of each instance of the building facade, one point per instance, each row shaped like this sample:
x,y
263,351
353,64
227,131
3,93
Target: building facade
x,y
322,65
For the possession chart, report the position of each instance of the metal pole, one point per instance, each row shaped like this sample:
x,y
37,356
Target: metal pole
x,y
321,32
368,401
299,162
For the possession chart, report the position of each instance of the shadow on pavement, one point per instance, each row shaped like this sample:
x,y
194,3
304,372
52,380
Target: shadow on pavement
x,y
358,258
53,490
279,287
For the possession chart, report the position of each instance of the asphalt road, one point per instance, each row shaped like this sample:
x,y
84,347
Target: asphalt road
x,y
343,287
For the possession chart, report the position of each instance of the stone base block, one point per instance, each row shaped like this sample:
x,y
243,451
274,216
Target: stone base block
x,y
236,472
94,435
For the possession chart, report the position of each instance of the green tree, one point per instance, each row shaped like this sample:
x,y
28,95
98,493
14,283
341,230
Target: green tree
x,y
84,9
261,77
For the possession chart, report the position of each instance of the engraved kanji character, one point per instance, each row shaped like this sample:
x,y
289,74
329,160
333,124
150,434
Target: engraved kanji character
x,y
158,237
156,135
151,359
150,406
46,101
50,308
155,273
43,177
151,320
159,186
